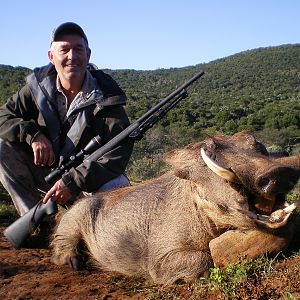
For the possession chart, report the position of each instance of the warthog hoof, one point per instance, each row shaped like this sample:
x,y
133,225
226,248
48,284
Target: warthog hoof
x,y
77,262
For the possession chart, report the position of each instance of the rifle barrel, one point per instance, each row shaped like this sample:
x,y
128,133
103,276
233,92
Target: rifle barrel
x,y
126,132
170,96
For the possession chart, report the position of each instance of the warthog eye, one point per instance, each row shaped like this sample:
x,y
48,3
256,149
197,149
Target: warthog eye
x,y
223,207
264,183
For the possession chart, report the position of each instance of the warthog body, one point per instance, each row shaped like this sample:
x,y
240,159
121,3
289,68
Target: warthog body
x,y
168,228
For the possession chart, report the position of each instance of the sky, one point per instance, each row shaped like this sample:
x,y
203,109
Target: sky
x,y
148,34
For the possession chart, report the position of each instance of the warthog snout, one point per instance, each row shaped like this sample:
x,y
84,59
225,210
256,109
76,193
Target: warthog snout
x,y
272,185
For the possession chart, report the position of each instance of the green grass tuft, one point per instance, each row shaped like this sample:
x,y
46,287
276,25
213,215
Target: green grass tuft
x,y
226,280
8,212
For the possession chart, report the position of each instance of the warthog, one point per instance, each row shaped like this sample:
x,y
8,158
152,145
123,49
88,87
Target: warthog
x,y
222,199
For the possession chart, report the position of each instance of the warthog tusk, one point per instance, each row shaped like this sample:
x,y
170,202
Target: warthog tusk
x,y
217,169
281,215
278,218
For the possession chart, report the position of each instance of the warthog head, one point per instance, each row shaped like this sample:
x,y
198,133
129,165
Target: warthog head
x,y
245,162
237,173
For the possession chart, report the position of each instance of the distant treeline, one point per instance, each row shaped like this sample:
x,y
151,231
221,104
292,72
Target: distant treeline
x,y
256,90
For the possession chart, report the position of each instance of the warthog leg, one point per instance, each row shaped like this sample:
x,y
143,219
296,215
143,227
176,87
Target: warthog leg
x,y
67,239
179,265
234,245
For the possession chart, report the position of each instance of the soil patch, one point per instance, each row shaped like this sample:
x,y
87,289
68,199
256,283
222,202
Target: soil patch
x,y
29,274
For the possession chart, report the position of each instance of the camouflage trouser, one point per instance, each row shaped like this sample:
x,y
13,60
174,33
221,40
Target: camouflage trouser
x,y
22,178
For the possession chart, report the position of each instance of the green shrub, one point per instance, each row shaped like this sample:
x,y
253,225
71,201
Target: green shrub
x,y
8,212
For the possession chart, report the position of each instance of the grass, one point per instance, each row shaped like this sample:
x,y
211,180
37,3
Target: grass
x,y
226,280
229,282
3,194
218,283
8,212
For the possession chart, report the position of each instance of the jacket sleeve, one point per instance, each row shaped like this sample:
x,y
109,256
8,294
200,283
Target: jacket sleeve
x,y
91,175
17,117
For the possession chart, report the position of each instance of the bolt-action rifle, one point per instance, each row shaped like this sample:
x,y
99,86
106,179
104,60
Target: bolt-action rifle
x,y
22,228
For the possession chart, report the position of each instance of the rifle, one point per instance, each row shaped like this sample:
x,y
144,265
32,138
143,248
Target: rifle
x,y
92,152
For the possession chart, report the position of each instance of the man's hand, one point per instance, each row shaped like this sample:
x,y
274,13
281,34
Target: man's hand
x,y
43,151
59,193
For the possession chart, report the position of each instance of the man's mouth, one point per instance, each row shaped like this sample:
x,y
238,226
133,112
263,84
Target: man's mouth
x,y
72,66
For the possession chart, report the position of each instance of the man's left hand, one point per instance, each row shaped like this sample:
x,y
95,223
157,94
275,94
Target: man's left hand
x,y
59,193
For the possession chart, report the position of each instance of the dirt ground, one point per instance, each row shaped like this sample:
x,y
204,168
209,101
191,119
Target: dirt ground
x,y
29,274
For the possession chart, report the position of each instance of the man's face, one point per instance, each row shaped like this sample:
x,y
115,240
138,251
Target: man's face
x,y
70,56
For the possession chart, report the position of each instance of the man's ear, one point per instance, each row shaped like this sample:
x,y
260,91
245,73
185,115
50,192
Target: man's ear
x,y
89,51
50,56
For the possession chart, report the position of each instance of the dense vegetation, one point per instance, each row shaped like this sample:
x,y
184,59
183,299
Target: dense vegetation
x,y
10,80
256,90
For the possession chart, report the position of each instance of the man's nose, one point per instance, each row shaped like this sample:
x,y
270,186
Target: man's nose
x,y
71,54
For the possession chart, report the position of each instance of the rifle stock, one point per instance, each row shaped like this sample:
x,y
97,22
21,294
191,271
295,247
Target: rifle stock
x,y
18,232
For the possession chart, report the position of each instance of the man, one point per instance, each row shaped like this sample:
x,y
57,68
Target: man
x,y
59,110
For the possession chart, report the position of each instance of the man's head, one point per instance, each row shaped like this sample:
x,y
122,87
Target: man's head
x,y
69,53
67,28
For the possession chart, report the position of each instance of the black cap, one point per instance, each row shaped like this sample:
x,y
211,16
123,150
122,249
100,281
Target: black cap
x,y
67,28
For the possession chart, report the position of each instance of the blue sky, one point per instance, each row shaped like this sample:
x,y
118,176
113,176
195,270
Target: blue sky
x,y
148,34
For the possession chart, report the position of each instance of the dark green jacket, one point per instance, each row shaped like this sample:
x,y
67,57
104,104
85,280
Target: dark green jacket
x,y
32,110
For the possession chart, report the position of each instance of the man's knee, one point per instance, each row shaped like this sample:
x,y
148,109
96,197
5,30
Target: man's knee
x,y
13,155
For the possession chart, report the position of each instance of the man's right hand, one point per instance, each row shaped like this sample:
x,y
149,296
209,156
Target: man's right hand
x,y
43,151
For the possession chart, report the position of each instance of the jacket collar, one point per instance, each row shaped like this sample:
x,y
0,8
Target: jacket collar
x,y
105,90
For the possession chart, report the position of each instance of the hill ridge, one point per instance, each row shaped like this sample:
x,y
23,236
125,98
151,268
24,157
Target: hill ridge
x,y
254,90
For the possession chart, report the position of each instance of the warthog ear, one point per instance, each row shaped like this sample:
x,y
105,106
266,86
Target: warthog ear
x,y
217,169
180,158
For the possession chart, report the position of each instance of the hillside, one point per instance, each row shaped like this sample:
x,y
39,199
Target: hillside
x,y
261,84
10,80
256,90
247,84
